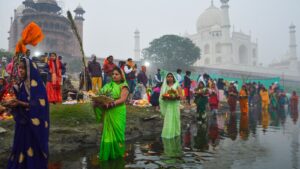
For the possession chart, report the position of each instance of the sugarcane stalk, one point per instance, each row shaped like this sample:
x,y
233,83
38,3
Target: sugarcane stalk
x,y
75,31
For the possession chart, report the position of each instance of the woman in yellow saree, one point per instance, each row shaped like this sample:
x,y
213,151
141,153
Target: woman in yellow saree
x,y
265,99
113,116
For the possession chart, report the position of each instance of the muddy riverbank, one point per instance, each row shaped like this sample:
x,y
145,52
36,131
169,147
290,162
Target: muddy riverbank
x,y
71,129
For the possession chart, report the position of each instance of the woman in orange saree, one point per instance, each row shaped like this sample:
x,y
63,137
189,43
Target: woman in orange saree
x,y
244,99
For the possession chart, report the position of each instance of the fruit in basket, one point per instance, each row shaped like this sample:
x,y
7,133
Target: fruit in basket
x,y
142,103
8,97
171,95
103,97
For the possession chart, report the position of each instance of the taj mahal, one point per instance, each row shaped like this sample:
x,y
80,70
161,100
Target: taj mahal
x,y
218,44
224,48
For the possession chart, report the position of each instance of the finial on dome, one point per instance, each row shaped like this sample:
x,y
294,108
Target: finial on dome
x,y
212,2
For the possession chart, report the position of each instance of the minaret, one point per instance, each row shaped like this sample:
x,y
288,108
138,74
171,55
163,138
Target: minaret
x,y
79,20
137,50
293,44
226,20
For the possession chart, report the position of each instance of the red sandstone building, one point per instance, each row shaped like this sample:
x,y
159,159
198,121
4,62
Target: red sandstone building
x,y
47,14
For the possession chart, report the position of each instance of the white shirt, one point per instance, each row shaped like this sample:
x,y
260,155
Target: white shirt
x,y
179,78
127,70
157,80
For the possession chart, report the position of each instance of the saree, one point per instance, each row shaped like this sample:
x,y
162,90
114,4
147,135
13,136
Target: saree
x,y
244,101
30,145
170,111
201,101
112,144
265,100
54,86
232,99
274,101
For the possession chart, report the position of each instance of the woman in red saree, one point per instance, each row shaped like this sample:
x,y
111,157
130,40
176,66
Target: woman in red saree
x,y
232,97
55,79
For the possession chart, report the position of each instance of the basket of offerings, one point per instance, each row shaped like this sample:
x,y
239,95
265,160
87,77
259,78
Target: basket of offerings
x,y
103,98
7,98
171,95
141,103
5,116
201,92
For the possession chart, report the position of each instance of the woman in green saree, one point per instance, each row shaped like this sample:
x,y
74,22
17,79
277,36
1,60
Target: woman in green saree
x,y
201,100
170,109
113,116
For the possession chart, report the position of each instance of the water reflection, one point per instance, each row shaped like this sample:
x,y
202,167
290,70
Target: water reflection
x,y
172,147
232,127
254,117
172,150
282,115
265,119
112,164
201,138
244,126
55,165
200,141
213,130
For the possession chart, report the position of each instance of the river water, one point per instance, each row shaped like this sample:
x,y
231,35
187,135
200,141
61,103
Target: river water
x,y
260,140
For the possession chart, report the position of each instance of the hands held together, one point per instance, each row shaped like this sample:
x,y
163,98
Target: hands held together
x,y
11,103
104,106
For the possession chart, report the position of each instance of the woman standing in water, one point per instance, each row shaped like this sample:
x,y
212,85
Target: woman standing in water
x,y
201,100
265,99
113,115
244,99
170,109
232,97
213,98
31,114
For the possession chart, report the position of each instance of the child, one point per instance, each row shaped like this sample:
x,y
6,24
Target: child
x,y
154,99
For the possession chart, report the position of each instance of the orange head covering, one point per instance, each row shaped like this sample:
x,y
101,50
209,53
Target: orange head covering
x,y
31,35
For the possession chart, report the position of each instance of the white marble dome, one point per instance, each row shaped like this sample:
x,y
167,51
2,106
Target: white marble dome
x,y
20,9
210,17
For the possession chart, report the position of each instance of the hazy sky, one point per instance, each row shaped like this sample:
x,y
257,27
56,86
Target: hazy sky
x,y
109,24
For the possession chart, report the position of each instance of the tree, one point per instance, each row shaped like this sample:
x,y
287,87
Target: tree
x,y
4,53
172,52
